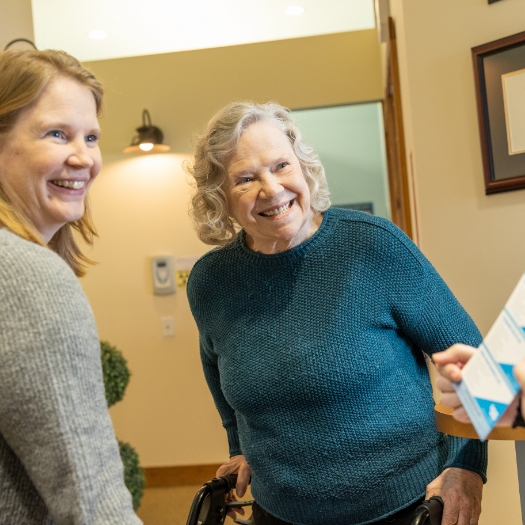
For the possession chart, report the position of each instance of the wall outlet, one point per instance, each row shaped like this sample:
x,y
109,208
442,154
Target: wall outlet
x,y
168,326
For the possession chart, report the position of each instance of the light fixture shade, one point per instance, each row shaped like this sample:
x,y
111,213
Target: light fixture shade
x,y
20,43
148,139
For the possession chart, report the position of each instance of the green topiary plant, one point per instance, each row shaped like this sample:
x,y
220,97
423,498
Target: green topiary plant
x,y
116,379
133,472
116,372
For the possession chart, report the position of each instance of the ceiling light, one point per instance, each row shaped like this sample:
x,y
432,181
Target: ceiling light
x,y
148,139
294,10
97,34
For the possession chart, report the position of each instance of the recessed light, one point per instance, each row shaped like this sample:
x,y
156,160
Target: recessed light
x,y
97,34
294,10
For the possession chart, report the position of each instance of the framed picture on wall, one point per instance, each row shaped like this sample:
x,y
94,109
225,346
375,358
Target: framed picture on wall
x,y
499,72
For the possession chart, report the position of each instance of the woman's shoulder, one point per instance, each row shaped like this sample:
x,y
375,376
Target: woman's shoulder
x,y
210,270
375,234
24,262
361,219
216,257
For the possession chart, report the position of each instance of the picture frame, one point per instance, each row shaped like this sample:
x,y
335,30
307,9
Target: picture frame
x,y
499,74
366,207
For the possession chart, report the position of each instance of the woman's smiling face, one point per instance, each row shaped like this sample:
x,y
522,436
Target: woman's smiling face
x,y
267,192
50,157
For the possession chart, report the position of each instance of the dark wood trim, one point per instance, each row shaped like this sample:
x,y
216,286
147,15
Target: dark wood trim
x,y
177,476
400,207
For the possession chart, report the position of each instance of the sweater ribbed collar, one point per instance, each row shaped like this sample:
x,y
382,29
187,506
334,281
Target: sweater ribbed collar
x,y
293,254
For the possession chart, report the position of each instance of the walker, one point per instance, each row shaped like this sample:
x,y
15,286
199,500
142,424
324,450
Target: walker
x,y
209,505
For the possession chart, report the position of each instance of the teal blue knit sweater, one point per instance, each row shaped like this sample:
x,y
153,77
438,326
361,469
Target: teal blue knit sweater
x,y
314,359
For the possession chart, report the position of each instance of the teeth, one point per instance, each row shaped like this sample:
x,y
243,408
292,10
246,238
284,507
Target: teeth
x,y
73,184
278,211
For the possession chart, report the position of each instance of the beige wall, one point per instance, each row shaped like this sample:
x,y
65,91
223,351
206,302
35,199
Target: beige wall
x,y
182,90
16,21
140,205
474,240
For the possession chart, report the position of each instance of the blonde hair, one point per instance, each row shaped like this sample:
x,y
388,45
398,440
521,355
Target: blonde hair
x,y
23,77
209,208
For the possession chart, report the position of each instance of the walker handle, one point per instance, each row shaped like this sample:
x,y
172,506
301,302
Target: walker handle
x,y
430,512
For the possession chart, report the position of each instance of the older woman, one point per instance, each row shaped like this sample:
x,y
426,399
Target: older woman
x,y
59,459
313,322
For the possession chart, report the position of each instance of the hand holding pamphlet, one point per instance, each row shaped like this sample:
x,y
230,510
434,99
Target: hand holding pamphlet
x,y
488,386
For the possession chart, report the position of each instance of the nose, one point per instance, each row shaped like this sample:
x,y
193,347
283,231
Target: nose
x,y
81,156
270,186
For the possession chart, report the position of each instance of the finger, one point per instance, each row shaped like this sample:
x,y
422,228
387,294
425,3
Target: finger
x,y
444,384
450,515
230,467
431,492
230,496
468,516
508,417
460,414
452,372
243,478
451,400
519,373
457,353
234,511
224,470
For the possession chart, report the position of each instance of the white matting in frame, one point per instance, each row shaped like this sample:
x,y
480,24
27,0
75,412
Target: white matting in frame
x,y
514,97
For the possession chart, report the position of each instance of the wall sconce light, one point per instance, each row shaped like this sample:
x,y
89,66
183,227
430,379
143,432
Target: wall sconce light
x,y
20,43
148,139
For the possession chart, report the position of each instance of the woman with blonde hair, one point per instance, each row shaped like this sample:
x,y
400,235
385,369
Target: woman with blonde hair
x,y
313,322
59,459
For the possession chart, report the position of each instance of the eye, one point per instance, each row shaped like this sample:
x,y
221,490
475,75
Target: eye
x,y
56,133
93,138
243,180
281,165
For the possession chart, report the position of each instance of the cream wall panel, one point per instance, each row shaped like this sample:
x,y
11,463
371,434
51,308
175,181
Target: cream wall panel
x,y
472,239
16,21
182,90
140,205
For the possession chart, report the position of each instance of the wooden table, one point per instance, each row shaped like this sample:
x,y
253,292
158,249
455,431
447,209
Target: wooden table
x,y
448,425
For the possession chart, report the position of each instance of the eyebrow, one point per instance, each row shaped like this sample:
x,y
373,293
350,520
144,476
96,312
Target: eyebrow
x,y
240,173
249,171
52,124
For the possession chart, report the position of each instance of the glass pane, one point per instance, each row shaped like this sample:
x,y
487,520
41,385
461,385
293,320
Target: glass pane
x,y
350,141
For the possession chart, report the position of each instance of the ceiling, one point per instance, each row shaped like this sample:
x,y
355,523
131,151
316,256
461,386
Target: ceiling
x,y
145,27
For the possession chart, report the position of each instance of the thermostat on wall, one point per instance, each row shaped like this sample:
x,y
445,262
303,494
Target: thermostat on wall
x,y
163,275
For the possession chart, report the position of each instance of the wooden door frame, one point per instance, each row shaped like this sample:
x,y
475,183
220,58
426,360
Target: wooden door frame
x,y
398,182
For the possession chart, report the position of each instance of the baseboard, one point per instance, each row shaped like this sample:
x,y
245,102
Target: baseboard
x,y
177,476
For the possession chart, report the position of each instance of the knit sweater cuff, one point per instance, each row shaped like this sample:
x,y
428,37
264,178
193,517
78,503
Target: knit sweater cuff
x,y
233,441
468,454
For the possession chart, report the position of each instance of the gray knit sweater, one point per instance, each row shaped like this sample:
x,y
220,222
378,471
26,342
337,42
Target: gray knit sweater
x,y
59,459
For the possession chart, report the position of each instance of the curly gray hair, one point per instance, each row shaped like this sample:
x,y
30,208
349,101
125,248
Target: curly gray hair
x,y
209,208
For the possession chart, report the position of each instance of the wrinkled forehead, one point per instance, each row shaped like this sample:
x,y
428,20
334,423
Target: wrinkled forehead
x,y
258,137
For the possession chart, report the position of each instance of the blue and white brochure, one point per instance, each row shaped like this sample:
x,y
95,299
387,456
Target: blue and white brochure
x,y
488,386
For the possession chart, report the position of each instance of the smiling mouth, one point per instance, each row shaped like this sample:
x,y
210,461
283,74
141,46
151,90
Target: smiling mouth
x,y
277,211
70,184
